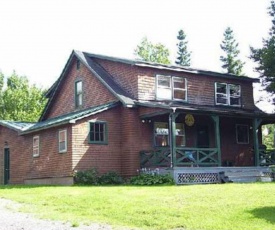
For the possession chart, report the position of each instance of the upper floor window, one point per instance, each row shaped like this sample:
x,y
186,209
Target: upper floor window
x,y
35,146
62,141
98,132
78,94
171,88
227,94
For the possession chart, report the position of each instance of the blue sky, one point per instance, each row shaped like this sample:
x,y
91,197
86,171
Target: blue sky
x,y
37,37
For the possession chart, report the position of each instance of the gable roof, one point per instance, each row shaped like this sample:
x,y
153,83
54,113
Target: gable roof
x,y
89,60
69,118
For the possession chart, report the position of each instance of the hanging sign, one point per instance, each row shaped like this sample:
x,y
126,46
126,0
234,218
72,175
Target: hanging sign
x,y
189,119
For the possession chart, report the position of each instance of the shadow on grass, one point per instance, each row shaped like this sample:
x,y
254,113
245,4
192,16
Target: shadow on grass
x,y
266,213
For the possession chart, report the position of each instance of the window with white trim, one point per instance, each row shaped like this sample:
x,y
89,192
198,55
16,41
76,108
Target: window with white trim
x,y
227,94
78,94
161,134
171,88
62,141
35,146
242,134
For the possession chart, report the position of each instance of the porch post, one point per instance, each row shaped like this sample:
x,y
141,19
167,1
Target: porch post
x,y
172,126
256,124
216,120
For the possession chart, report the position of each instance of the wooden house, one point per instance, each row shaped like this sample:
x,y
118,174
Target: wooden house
x,y
124,115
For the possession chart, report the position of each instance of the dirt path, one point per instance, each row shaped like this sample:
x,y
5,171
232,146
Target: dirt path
x,y
11,219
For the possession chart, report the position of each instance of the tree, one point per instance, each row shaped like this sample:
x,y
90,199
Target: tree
x,y
230,60
265,56
20,101
183,57
147,51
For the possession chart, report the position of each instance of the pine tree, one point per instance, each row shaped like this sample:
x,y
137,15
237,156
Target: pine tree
x,y
265,56
230,60
184,55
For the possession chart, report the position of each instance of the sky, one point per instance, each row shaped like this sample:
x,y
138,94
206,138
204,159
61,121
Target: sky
x,y
37,37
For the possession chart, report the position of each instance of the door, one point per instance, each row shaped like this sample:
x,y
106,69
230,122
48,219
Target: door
x,y
202,136
6,165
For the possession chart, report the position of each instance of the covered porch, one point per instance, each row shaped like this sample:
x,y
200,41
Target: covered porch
x,y
198,138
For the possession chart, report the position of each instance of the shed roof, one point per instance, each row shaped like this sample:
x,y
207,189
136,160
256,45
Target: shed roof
x,y
68,118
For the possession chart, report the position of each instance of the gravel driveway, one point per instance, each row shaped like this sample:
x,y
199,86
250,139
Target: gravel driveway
x,y
11,219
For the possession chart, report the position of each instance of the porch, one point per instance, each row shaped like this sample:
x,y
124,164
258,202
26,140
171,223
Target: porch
x,y
195,157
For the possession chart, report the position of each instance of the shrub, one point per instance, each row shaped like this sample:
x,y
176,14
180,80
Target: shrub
x,y
152,179
91,177
110,178
87,177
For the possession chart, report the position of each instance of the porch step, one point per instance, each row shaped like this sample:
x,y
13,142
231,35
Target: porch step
x,y
248,175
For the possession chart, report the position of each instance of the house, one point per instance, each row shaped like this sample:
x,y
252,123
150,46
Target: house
x,y
123,115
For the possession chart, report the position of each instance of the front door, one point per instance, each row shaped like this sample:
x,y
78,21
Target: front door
x,y
6,165
202,136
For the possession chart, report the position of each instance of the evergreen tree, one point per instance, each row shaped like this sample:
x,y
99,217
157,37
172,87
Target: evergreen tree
x,y
265,56
147,51
183,57
230,60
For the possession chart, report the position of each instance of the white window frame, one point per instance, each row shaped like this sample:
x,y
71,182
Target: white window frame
x,y
62,141
35,148
247,128
227,94
78,94
168,134
168,91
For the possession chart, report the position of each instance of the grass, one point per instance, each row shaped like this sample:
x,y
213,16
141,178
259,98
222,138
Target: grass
x,y
220,206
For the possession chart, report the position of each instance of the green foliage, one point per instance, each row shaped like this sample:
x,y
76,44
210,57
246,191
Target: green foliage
x,y
265,56
92,177
183,57
20,101
230,60
88,177
147,51
152,179
268,140
110,178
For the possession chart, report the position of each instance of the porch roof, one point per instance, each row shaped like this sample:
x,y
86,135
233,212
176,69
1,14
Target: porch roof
x,y
210,110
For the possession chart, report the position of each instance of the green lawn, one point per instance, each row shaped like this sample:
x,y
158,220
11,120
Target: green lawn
x,y
220,206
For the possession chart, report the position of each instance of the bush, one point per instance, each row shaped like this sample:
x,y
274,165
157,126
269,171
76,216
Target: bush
x,y
152,179
110,178
87,177
91,177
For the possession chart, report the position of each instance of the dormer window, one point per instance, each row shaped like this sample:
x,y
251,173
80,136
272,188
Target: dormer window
x,y
171,88
227,94
78,94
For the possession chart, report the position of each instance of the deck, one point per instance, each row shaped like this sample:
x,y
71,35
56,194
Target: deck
x,y
204,175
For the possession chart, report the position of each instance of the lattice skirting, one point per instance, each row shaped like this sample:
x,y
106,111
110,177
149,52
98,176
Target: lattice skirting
x,y
196,178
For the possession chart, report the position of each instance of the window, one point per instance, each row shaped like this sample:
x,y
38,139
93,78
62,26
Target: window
x,y
161,134
228,94
35,146
98,132
78,94
62,141
171,88
77,64
242,133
